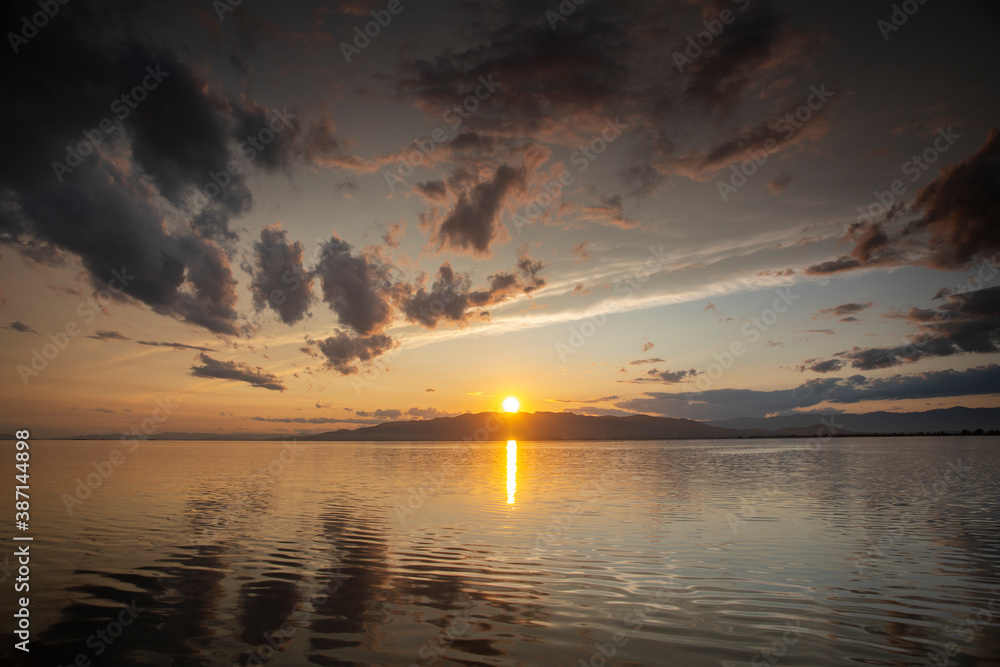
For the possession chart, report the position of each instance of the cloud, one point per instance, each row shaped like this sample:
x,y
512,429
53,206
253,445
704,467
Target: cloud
x,y
237,372
451,297
647,346
844,311
380,414
828,332
394,235
428,413
356,287
640,362
611,212
591,401
729,403
818,366
669,377
108,335
105,335
108,211
473,224
277,278
135,204
755,43
580,250
779,183
965,323
176,346
20,326
961,207
343,351
957,225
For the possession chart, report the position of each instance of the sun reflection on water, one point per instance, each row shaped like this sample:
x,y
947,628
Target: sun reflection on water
x,y
511,470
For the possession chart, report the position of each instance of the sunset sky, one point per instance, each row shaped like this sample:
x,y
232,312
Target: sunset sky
x,y
495,198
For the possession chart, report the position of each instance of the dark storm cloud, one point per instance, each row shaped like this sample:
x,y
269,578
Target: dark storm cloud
x,y
343,351
237,372
725,403
277,278
965,323
959,221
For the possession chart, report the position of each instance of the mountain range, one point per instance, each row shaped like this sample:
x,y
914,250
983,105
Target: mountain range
x,y
570,426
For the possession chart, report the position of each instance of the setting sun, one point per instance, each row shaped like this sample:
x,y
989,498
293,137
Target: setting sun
x,y
511,404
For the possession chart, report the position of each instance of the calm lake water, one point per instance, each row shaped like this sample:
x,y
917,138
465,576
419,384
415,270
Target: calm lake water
x,y
882,551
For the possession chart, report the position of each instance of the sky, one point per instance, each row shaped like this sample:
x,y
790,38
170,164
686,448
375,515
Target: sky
x,y
284,218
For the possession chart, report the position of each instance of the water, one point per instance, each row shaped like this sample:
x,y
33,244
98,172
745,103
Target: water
x,y
863,551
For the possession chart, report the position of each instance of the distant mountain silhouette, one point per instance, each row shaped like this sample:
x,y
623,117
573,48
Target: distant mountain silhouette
x,y
529,426
569,426
949,420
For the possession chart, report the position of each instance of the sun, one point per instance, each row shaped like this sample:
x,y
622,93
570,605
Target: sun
x,y
511,404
